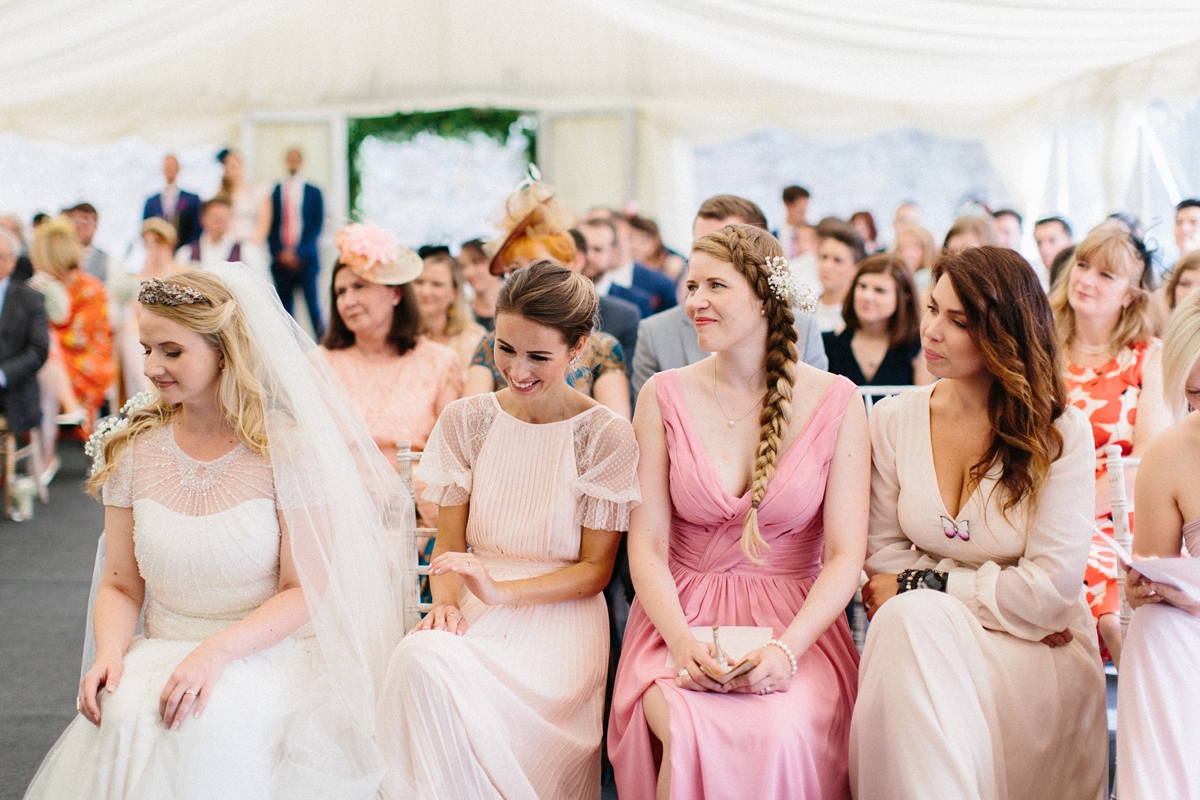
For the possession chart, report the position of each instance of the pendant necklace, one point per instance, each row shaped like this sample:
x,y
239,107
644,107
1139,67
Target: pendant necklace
x,y
732,422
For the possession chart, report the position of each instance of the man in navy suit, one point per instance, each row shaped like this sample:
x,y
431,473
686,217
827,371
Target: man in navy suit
x,y
629,274
297,214
603,253
180,208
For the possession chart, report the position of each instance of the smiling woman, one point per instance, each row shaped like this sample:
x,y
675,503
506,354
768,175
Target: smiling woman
x,y
533,484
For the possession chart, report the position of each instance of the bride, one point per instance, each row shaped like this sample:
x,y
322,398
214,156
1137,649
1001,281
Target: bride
x,y
250,506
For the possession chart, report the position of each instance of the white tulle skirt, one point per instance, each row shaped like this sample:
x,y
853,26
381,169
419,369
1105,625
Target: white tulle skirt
x,y
236,749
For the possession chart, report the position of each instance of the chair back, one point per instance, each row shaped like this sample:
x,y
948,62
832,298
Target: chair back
x,y
1121,509
405,457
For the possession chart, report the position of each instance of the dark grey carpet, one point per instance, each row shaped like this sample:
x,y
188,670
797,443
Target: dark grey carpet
x,y
45,572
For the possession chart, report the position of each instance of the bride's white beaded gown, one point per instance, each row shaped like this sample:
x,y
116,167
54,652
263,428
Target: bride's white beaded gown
x,y
206,537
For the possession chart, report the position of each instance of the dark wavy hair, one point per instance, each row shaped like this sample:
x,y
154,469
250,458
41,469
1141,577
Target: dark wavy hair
x,y
1009,320
406,320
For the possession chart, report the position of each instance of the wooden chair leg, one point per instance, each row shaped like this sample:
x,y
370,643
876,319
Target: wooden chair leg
x,y
10,470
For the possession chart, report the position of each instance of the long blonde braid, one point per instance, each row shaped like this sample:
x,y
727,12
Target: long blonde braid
x,y
747,248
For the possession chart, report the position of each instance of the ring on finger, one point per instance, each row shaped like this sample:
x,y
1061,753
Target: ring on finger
x,y
191,692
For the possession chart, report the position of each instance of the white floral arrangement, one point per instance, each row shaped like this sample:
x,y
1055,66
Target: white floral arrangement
x,y
94,448
788,288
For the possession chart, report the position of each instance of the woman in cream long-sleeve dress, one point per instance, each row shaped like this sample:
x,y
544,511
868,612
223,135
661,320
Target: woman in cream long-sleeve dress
x,y
499,691
981,676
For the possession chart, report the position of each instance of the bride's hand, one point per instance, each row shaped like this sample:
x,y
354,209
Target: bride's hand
x,y
191,684
104,672
468,567
443,617
690,658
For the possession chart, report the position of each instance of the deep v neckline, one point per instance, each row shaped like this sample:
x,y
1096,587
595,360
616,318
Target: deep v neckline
x,y
693,432
937,487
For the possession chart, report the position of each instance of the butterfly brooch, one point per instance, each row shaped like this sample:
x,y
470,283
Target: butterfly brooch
x,y
959,529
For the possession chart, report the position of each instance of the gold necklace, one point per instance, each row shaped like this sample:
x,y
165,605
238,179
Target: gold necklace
x,y
732,422
1090,350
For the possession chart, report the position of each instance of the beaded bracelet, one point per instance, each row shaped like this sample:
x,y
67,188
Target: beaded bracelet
x,y
787,651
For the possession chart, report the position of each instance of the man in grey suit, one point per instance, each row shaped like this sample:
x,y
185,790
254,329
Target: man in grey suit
x,y
94,261
667,340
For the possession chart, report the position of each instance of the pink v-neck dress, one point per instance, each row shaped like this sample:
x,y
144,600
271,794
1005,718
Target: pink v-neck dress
x,y
784,745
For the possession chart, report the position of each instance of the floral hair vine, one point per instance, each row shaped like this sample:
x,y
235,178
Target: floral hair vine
x,y
94,447
787,288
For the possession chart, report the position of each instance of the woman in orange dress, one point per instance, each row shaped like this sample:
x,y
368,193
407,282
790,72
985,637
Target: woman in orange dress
x,y
80,370
1108,322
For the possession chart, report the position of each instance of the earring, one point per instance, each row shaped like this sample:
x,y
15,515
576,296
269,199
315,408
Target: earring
x,y
574,362
762,312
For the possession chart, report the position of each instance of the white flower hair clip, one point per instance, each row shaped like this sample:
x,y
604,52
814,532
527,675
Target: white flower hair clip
x,y
94,447
787,288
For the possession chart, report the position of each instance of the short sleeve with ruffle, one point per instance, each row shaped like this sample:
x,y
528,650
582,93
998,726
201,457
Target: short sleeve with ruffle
x,y
118,489
448,461
606,454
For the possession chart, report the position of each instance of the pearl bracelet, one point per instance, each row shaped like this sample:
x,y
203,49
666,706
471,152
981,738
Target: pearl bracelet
x,y
787,651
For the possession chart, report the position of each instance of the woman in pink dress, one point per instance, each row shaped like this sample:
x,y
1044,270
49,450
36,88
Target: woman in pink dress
x,y
499,691
1158,702
400,381
755,477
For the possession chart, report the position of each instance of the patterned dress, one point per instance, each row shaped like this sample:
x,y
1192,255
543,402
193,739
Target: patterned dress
x,y
85,341
601,354
1108,396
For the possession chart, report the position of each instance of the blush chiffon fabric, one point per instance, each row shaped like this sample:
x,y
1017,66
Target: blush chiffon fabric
x,y
785,745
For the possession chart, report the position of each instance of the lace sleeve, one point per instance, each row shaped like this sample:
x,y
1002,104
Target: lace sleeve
x,y
118,489
606,454
449,456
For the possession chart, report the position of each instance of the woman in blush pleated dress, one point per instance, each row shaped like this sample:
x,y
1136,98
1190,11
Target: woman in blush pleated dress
x,y
499,691
981,676
755,472
1158,722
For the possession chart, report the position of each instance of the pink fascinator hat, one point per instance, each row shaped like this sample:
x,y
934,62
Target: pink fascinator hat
x,y
374,255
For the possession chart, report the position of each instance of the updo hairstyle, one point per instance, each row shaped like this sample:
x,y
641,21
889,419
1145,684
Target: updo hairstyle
x,y
747,248
1181,351
551,295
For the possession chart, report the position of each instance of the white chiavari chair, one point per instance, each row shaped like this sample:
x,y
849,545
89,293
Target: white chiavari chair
x,y
415,539
1118,496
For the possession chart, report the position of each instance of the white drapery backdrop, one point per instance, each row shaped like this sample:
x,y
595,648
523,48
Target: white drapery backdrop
x,y
1043,87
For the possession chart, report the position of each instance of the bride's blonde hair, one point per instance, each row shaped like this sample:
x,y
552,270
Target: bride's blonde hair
x,y
239,394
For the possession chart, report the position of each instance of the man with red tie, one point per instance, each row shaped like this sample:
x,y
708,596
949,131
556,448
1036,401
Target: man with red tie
x,y
298,212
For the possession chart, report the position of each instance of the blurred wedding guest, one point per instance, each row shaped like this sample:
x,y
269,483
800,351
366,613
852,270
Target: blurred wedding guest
x,y
864,223
906,214
443,309
981,677
618,317
649,250
217,242
93,261
159,240
1108,323
1159,691
249,202
881,343
916,248
838,255
1185,278
795,205
39,218
627,272
180,208
24,342
1053,235
668,340
297,214
755,479
400,380
969,232
499,691
485,286
77,375
1187,225
23,270
535,226
603,256
1008,228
